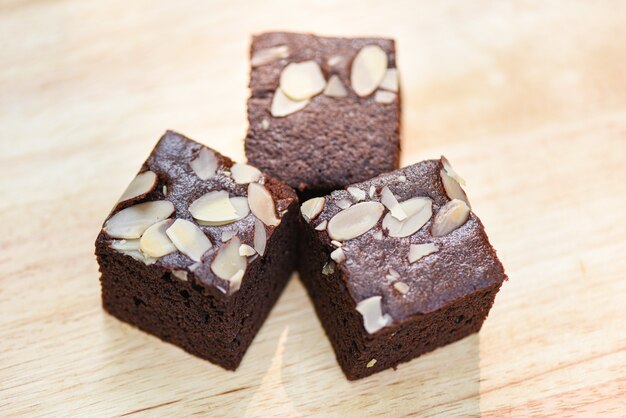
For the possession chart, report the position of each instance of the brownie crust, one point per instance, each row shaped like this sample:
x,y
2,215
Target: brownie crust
x,y
332,142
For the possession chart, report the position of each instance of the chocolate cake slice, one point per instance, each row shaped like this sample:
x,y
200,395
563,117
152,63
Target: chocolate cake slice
x,y
323,112
397,266
198,249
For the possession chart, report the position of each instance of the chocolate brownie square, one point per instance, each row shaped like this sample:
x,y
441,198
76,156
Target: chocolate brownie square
x,y
323,112
198,249
397,266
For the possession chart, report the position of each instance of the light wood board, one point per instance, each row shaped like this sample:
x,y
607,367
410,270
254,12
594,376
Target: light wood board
x,y
526,98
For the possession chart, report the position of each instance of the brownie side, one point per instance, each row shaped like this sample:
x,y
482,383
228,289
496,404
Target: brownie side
x,y
182,300
442,296
355,349
332,142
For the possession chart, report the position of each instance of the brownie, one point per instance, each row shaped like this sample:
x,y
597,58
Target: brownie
x,y
397,266
323,112
198,249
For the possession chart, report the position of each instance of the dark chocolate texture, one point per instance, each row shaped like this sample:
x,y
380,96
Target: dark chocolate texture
x,y
332,142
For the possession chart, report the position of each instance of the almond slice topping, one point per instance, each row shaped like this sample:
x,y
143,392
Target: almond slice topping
x,y
384,97
302,80
269,55
205,164
155,242
373,318
229,265
141,185
450,217
389,200
189,239
354,221
283,106
368,69
133,221
417,251
312,208
418,210
390,80
357,193
262,204
244,173
214,208
260,237
335,88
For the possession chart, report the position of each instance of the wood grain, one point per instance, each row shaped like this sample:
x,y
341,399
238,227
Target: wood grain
x,y
527,99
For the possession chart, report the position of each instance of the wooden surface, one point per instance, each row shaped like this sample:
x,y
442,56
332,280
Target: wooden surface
x,y
526,98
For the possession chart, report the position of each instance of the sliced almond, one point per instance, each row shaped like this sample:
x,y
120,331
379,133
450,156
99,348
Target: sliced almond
x,y
418,210
125,244
336,243
269,55
378,235
338,256
181,275
155,242
417,251
205,164
401,287
343,203
189,239
133,221
368,69
450,217
262,204
328,268
312,208
389,200
372,192
334,60
302,80
322,225
235,281
283,106
214,208
356,193
141,185
244,173
246,250
228,263
384,97
260,237
370,363
452,187
227,235
354,221
335,87
390,80
373,318
450,171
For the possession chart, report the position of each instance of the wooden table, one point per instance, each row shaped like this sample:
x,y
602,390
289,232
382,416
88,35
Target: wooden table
x,y
526,98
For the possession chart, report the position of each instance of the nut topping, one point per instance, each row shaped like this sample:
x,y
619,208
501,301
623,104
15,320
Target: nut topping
x,y
450,171
312,208
322,226
205,164
384,97
227,235
335,88
450,217
354,221
133,221
283,106
452,187
389,200
269,55
370,363
417,251
328,268
155,242
401,287
338,256
229,264
357,193
302,80
368,69
343,203
125,244
189,239
141,185
418,210
214,208
246,250
373,318
244,173
262,204
260,237
390,80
